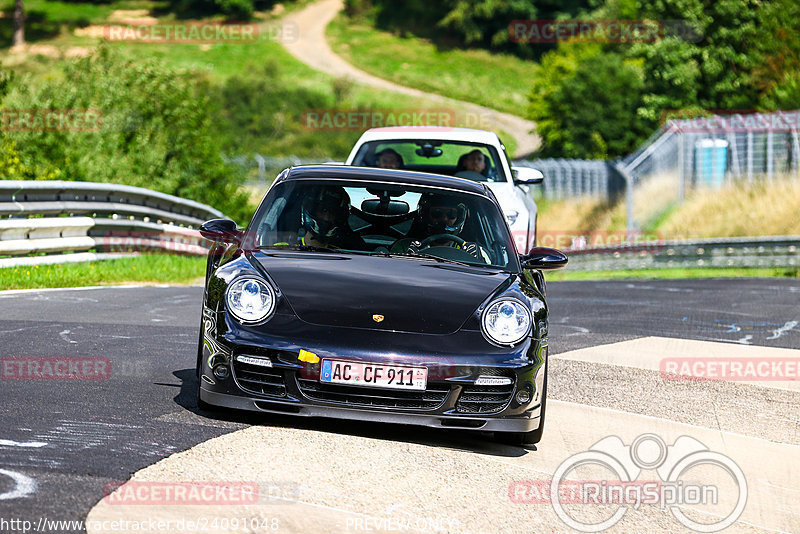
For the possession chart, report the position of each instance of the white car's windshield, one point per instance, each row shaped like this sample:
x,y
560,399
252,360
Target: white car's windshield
x,y
386,220
474,161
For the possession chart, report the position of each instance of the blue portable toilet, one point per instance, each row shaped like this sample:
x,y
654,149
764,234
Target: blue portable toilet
x,y
711,162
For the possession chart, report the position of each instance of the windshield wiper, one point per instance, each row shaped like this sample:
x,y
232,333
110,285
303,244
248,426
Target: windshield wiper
x,y
437,259
310,248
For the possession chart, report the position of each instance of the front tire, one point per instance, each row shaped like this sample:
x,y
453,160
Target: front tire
x,y
201,404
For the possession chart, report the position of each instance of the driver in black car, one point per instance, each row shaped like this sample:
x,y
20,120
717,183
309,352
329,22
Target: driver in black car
x,y
324,220
440,219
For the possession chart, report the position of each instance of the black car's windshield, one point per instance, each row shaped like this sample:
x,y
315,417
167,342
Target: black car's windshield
x,y
474,161
390,220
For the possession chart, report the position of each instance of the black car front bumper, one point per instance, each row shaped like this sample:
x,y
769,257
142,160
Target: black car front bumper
x,y
452,398
526,423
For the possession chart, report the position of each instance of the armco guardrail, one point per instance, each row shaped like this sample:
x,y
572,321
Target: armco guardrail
x,y
768,251
54,217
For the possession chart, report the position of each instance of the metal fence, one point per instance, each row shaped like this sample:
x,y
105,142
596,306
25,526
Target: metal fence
x,y
764,252
708,152
687,153
569,178
40,221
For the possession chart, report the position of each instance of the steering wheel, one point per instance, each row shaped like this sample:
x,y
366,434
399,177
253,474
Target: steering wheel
x,y
426,243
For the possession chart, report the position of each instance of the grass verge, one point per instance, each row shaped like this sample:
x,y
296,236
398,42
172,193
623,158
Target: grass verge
x,y
672,274
151,268
497,81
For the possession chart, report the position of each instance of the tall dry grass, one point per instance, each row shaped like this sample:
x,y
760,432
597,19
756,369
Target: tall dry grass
x,y
764,207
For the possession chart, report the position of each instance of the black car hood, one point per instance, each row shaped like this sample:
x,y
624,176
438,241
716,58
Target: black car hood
x,y
412,295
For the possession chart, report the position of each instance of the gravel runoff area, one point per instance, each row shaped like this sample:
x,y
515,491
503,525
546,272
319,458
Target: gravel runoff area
x,y
363,478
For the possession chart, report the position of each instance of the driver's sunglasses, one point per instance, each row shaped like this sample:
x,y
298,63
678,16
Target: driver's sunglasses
x,y
444,213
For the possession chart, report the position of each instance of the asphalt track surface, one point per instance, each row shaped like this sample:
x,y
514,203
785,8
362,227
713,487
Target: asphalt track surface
x,y
69,439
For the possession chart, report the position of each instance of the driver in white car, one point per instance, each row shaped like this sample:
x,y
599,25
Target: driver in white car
x,y
472,166
440,219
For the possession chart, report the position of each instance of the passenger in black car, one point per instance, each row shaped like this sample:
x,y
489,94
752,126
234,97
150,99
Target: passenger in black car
x,y
324,220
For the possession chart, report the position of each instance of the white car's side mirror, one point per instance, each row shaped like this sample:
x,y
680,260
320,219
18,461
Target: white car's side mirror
x,y
526,176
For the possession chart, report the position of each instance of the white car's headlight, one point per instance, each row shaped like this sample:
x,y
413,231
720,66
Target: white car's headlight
x,y
511,217
250,299
506,321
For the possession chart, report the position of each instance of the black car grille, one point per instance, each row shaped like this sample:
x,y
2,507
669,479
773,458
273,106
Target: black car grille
x,y
260,380
430,399
485,399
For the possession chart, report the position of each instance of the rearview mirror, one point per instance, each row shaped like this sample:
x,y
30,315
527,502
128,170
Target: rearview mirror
x,y
384,207
428,150
543,258
221,230
526,176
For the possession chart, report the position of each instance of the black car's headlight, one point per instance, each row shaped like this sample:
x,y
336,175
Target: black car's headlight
x,y
250,299
506,321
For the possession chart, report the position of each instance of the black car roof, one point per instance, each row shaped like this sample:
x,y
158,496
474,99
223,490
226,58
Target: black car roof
x,y
374,174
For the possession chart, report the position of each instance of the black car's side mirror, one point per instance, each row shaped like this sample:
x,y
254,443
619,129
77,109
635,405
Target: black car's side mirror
x,y
543,258
221,230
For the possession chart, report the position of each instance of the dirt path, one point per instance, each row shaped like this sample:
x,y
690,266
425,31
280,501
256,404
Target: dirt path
x,y
312,48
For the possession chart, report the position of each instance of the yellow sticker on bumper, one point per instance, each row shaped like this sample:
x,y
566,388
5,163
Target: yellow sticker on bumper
x,y
308,356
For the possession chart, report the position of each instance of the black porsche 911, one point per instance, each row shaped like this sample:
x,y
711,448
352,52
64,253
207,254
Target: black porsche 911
x,y
377,295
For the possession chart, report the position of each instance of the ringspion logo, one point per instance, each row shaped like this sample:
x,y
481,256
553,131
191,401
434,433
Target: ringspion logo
x,y
689,475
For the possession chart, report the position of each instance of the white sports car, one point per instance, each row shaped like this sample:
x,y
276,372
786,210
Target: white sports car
x,y
473,154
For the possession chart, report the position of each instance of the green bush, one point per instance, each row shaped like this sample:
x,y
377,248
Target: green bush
x,y
585,104
155,130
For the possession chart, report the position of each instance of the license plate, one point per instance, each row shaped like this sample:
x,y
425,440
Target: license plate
x,y
375,375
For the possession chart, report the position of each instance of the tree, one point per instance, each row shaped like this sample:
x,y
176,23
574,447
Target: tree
x,y
19,24
154,131
585,103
